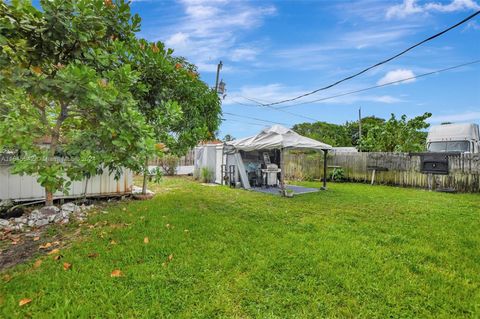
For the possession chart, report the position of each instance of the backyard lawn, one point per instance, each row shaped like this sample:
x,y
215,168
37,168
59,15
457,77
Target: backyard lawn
x,y
197,251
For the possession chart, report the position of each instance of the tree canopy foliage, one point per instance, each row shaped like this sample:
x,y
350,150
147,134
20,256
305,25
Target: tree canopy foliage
x,y
337,134
378,135
74,74
397,135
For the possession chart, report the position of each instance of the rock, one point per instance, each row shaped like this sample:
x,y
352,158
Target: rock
x,y
70,207
35,214
31,223
47,210
41,222
58,218
21,220
138,190
4,223
18,227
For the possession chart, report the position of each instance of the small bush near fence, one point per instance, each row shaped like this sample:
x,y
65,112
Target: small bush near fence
x,y
206,175
169,164
337,175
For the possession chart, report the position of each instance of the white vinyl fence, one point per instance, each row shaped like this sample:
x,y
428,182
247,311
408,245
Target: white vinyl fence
x,y
26,188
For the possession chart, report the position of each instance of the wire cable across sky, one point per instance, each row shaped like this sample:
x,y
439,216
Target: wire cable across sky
x,y
259,104
377,64
380,85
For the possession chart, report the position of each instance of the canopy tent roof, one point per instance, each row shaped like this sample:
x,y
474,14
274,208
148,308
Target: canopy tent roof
x,y
277,137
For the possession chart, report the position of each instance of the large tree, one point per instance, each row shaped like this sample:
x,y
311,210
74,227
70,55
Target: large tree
x,y
368,123
397,135
64,80
332,134
181,109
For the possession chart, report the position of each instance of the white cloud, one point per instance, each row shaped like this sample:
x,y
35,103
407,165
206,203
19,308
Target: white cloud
x,y
410,7
178,40
472,25
455,5
211,30
397,75
244,54
457,117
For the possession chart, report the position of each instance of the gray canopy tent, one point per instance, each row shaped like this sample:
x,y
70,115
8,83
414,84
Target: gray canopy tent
x,y
281,138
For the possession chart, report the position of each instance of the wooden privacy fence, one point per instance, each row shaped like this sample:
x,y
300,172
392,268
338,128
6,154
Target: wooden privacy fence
x,y
400,169
186,160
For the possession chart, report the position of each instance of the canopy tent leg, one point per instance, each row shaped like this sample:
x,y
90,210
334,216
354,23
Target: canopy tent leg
x,y
282,172
324,187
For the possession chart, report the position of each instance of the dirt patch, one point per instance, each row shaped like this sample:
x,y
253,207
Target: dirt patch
x,y
18,253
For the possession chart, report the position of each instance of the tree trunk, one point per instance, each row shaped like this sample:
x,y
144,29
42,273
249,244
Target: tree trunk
x,y
48,197
53,148
145,177
86,188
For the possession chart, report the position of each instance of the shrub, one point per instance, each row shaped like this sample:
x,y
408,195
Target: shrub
x,y
337,175
169,164
206,175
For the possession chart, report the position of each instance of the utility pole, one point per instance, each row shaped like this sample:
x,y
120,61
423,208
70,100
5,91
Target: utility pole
x,y
359,123
219,67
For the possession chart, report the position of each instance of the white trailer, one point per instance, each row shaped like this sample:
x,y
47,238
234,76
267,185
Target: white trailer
x,y
463,138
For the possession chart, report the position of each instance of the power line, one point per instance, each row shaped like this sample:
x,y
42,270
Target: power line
x,y
380,85
379,63
254,118
250,123
259,104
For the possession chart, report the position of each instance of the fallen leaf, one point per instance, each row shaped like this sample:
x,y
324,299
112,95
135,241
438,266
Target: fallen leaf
x,y
24,301
57,257
7,278
37,69
56,243
146,240
67,266
116,273
93,255
169,259
113,242
45,246
167,225
37,263
36,238
54,251
186,230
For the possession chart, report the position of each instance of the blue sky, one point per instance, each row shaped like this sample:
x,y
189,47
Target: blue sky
x,y
274,50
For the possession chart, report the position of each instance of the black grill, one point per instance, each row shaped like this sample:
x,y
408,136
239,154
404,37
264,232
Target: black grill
x,y
435,163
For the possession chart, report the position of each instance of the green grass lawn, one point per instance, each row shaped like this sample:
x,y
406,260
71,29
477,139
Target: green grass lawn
x,y
352,251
